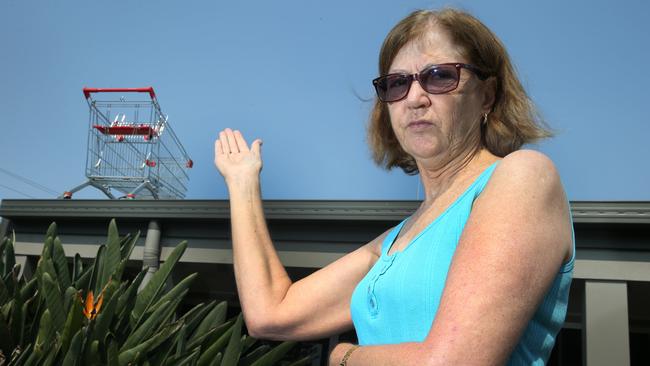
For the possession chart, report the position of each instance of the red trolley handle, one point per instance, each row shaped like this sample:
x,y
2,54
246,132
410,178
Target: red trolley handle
x,y
149,90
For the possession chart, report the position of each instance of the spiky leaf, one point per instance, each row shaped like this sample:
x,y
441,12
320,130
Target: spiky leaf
x,y
29,288
9,257
215,318
17,317
111,258
125,304
151,290
91,356
254,355
47,248
128,243
60,263
95,284
176,291
168,349
112,351
77,268
32,310
119,271
233,350
107,312
45,266
4,293
74,321
215,348
194,316
132,355
74,352
51,231
11,280
247,343
83,281
3,242
150,325
6,341
54,301
189,360
50,357
217,360
275,354
68,296
45,335
27,357
302,362
211,336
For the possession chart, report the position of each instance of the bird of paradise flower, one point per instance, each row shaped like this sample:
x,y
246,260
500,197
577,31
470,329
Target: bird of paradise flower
x,y
91,307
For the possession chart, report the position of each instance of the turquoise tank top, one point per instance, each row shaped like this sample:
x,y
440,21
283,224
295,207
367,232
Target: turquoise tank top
x,y
398,298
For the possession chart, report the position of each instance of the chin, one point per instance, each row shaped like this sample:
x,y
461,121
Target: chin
x,y
424,149
425,153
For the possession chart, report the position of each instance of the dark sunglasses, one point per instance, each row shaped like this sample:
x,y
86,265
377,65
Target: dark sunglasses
x,y
435,79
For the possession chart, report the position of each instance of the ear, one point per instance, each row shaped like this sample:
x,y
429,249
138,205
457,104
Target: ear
x,y
489,93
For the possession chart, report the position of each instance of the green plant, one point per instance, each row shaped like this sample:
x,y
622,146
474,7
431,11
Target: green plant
x,y
76,314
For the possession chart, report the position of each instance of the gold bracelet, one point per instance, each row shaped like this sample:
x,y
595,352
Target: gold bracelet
x,y
344,360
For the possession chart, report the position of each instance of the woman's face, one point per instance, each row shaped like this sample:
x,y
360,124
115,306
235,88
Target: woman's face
x,y
428,125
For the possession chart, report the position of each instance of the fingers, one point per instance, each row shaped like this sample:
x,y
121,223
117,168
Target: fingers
x,y
218,147
241,142
230,142
223,141
256,147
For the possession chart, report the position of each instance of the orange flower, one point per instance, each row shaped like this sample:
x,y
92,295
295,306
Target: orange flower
x,y
91,308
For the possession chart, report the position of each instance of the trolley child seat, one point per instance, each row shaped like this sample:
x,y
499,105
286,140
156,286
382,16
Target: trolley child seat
x,y
132,148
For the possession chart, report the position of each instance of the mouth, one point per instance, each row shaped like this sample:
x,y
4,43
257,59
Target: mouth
x,y
419,125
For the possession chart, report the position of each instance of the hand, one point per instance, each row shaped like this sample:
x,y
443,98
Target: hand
x,y
235,160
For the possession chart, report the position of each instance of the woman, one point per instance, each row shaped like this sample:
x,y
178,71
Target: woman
x,y
479,274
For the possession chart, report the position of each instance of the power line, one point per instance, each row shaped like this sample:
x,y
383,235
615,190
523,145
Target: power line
x,y
30,182
17,191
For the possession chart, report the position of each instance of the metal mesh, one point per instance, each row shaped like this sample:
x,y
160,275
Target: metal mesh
x,y
130,144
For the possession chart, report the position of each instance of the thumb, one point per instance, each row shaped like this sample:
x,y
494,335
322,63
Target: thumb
x,y
257,146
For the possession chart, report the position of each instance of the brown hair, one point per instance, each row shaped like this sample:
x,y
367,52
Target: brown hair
x,y
513,120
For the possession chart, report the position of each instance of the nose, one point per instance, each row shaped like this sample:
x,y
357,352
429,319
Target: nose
x,y
416,96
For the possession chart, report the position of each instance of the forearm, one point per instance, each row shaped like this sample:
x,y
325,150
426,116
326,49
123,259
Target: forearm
x,y
261,278
412,353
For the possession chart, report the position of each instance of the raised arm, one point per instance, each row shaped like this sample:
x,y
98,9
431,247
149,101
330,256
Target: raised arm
x,y
273,306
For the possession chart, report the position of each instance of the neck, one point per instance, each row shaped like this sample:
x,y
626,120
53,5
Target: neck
x,y
438,178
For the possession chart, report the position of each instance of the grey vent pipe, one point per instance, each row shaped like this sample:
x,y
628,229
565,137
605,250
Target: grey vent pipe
x,y
151,255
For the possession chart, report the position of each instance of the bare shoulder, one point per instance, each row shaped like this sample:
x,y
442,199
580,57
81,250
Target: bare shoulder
x,y
527,172
528,167
526,189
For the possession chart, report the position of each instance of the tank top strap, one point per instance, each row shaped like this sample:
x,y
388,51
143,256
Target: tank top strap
x,y
482,180
390,238
472,191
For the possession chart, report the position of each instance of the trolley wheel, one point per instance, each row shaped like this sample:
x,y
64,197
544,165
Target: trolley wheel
x,y
67,195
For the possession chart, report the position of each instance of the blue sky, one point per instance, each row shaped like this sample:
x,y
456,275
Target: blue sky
x,y
297,74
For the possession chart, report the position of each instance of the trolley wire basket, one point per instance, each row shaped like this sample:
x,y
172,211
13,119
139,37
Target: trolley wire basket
x,y
132,148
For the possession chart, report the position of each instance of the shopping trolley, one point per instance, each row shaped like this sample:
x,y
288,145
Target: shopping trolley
x,y
132,148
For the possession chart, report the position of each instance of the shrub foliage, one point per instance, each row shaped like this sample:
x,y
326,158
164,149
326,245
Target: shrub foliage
x,y
71,313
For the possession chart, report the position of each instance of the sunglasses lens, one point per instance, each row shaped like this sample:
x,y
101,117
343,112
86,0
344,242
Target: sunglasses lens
x,y
440,79
392,87
437,79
